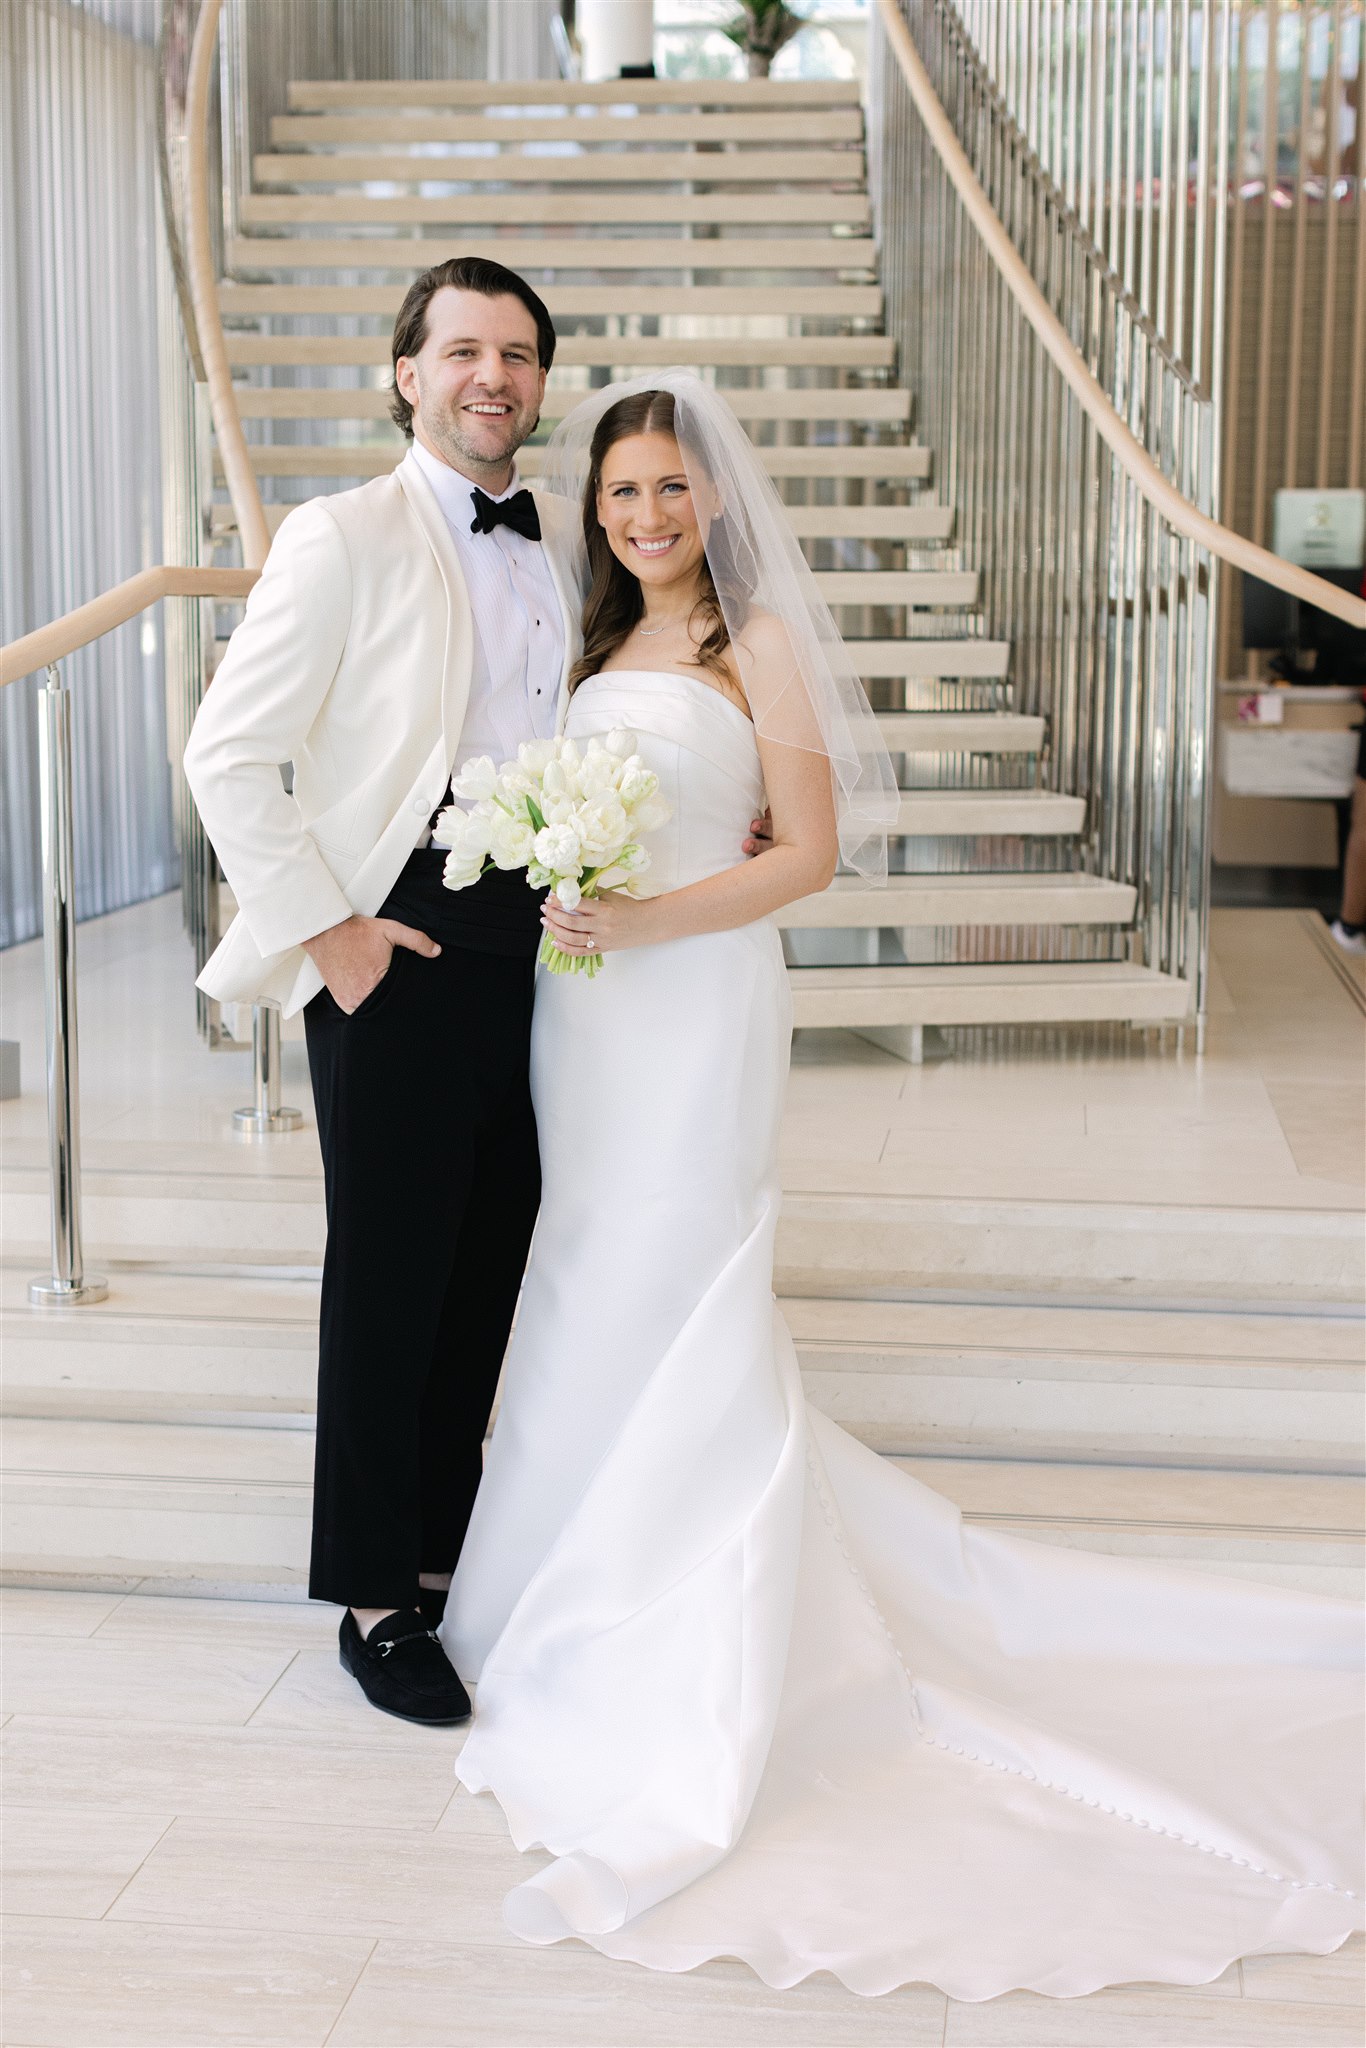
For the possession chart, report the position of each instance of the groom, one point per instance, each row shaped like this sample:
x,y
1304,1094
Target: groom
x,y
399,630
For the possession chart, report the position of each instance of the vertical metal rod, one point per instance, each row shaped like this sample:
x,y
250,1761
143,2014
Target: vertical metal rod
x,y
1332,101
265,1117
67,1285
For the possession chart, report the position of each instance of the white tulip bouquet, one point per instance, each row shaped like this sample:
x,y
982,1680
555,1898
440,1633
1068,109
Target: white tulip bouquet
x,y
572,817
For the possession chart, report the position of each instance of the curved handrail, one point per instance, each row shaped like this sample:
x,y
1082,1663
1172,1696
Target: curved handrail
x,y
1128,451
166,180
114,608
232,446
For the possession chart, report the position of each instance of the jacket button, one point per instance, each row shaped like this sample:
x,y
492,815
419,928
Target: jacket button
x,y
421,805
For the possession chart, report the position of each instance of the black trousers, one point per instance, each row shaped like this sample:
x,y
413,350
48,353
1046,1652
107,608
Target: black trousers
x,y
432,1182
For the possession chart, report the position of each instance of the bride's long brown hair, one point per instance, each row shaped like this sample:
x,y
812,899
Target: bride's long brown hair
x,y
615,604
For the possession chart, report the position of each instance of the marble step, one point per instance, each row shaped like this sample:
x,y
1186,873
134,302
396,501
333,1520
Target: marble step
x,y
973,899
958,732
928,813
960,1379
263,1213
888,1000
1102,1384
119,1502
303,95
887,1247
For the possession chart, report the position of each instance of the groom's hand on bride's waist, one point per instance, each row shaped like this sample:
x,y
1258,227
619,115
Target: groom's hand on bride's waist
x,y
761,835
353,957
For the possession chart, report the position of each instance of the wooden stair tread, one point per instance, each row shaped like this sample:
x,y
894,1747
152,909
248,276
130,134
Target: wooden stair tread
x,y
629,166
817,251
924,524
361,402
842,352
377,458
320,94
293,134
585,209
819,302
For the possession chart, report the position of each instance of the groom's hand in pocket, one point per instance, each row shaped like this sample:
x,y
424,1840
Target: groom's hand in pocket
x,y
353,957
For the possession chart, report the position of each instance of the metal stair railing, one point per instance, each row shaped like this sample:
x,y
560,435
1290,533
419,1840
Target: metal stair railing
x,y
1082,459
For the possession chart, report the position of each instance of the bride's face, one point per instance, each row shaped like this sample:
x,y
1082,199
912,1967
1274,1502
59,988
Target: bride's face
x,y
646,509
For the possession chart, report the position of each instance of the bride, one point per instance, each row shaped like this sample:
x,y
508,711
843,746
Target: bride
x,y
758,1692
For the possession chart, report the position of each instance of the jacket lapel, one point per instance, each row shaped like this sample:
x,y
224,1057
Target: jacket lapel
x,y
459,653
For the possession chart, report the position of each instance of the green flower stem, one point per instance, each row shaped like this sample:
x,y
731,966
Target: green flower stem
x,y
559,962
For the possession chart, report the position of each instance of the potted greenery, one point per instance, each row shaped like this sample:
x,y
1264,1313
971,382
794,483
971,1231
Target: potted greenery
x,y
761,29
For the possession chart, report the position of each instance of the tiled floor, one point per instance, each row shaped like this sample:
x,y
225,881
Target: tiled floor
x,y
209,1838
1273,1114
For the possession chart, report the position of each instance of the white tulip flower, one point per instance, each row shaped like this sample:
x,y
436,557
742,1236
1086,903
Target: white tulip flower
x,y
599,772
621,743
476,779
459,873
569,892
533,756
603,826
559,848
637,781
510,840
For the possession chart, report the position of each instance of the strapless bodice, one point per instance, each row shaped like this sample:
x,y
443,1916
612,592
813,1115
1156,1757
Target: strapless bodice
x,y
702,748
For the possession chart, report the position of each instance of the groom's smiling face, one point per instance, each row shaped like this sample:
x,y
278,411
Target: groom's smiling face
x,y
476,383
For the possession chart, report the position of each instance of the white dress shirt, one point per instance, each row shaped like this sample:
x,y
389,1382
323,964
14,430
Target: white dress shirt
x,y
518,630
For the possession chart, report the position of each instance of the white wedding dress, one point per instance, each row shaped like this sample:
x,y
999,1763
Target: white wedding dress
x,y
762,1694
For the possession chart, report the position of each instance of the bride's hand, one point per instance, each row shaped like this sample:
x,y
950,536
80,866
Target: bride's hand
x,y
601,924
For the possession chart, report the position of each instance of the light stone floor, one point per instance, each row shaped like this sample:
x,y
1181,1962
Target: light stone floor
x,y
208,1838
1272,1115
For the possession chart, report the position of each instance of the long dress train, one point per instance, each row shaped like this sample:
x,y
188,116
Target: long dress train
x,y
762,1694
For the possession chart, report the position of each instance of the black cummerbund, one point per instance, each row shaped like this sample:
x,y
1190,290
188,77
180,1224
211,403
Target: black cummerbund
x,y
497,914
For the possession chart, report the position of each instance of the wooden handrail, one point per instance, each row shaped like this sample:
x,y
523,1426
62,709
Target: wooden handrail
x,y
227,425
1128,451
114,608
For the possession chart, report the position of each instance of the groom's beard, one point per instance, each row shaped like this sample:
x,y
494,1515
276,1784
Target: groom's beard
x,y
446,431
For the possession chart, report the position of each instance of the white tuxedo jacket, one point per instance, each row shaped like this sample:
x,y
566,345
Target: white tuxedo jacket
x,y
353,661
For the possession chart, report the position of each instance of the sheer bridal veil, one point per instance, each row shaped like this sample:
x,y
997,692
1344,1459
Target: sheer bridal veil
x,y
811,695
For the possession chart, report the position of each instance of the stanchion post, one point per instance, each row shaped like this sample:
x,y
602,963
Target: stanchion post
x,y
67,1285
266,1115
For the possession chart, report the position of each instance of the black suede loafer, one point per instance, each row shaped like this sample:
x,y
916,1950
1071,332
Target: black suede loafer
x,y
402,1669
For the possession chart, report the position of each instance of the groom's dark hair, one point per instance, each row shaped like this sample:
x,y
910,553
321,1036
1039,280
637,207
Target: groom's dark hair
x,y
466,274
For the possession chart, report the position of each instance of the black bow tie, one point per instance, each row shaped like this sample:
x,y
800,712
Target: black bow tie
x,y
519,512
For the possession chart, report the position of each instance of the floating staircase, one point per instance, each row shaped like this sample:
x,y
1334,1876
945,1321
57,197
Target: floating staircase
x,y
725,225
